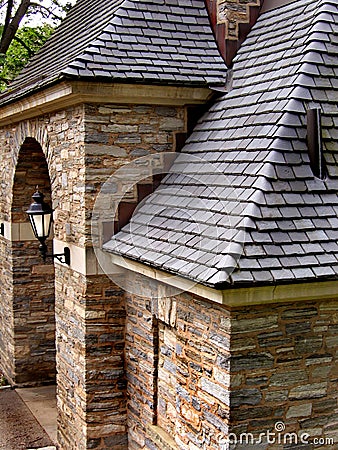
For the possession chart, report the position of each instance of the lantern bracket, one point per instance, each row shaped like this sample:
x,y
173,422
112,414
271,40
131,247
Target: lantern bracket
x,y
64,257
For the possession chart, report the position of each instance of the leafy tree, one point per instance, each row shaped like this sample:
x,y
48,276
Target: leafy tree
x,y
18,44
26,42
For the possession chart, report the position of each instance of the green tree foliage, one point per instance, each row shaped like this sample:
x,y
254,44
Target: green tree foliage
x,y
19,43
26,42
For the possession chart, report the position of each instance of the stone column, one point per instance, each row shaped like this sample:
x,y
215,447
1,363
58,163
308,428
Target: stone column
x,y
90,345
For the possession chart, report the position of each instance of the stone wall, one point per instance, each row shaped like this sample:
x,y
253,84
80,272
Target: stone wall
x,y
284,369
171,372
177,359
80,148
116,135
198,372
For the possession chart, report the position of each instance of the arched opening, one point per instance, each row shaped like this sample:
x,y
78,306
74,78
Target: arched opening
x,y
33,280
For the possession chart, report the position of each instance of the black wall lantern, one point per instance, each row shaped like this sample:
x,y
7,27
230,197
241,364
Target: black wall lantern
x,y
41,217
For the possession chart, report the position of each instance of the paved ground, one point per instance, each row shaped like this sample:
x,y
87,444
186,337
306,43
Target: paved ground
x,y
19,429
42,403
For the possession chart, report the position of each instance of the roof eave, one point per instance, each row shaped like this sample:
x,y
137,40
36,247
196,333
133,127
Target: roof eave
x,y
237,295
64,93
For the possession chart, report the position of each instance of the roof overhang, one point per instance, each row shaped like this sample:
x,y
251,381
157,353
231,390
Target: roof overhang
x,y
71,93
238,297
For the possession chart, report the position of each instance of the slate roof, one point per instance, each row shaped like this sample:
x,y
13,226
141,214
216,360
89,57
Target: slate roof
x,y
241,205
144,41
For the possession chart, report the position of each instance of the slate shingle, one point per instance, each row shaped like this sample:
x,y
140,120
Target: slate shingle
x,y
252,145
141,40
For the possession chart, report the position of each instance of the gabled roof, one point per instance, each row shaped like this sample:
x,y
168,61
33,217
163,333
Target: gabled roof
x,y
241,205
141,41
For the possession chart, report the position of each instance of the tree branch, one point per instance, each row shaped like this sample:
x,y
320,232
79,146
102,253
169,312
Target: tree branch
x,y
5,80
13,26
23,43
50,13
8,15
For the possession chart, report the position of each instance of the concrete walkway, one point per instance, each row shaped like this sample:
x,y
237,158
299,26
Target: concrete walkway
x,y
42,403
28,418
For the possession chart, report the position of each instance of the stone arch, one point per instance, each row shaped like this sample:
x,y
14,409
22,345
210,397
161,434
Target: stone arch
x,y
33,280
31,129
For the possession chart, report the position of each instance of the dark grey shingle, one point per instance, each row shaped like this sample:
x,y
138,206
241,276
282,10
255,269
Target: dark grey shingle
x,y
131,38
253,138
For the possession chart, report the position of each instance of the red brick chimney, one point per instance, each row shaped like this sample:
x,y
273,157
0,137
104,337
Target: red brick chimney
x,y
231,21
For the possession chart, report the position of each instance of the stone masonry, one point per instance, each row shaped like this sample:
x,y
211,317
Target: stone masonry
x,y
231,22
76,313
134,371
153,355
282,368
234,13
198,371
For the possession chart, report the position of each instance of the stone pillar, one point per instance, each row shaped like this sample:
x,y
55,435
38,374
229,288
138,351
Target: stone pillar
x,y
105,365
90,307
90,344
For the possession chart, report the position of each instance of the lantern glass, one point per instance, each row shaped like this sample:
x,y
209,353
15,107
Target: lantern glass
x,y
41,224
40,217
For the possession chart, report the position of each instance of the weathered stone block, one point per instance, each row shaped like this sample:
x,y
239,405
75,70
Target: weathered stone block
x,y
288,378
298,328
97,137
299,313
107,150
308,344
252,361
218,392
254,324
219,340
171,124
303,410
308,391
245,397
119,128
